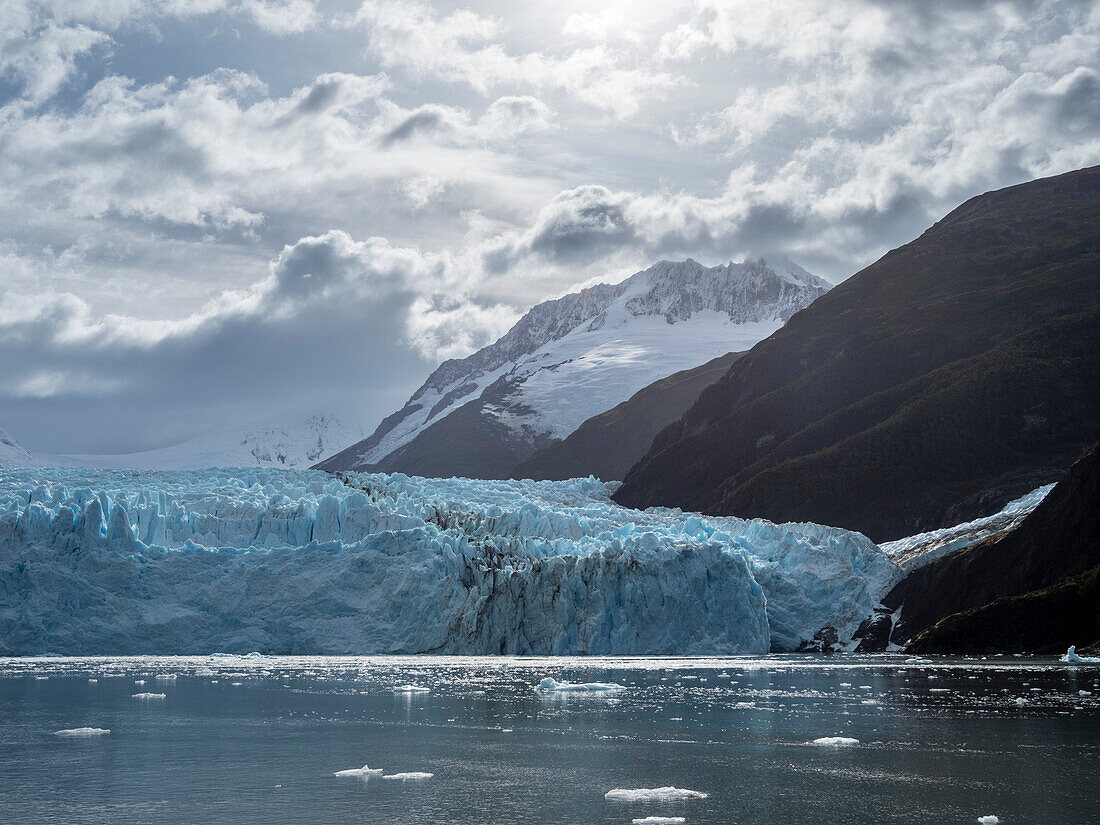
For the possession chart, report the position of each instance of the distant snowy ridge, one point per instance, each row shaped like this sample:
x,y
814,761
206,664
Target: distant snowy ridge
x,y
303,562
289,443
12,453
577,356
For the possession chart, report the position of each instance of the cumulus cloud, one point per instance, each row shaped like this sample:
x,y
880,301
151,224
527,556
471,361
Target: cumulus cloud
x,y
344,322
183,245
460,47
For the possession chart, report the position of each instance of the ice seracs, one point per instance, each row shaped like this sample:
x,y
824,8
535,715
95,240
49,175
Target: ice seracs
x,y
372,563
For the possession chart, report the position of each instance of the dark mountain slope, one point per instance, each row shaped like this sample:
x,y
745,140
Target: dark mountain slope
x,y
954,374
1034,588
608,444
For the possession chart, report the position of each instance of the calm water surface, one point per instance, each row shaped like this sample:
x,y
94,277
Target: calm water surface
x,y
258,741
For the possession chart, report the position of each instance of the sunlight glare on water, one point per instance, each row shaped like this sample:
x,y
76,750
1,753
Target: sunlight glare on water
x,y
259,740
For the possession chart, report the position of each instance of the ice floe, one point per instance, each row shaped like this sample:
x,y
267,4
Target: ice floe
x,y
836,742
409,776
989,820
549,685
667,794
82,732
364,771
411,689
658,820
147,695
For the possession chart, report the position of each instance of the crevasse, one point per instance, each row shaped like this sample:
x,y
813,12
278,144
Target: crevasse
x,y
110,561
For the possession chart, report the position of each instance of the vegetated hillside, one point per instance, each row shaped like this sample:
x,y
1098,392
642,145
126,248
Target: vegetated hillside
x,y
607,445
574,357
956,373
1036,588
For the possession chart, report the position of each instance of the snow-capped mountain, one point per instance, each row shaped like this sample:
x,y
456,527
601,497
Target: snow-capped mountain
x,y
574,357
12,453
274,443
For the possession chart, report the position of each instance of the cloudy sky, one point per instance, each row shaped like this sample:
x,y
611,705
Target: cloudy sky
x,y
215,211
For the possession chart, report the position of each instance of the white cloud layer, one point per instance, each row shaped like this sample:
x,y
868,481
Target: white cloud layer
x,y
166,186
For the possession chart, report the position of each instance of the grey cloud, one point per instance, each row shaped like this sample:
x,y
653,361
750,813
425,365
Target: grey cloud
x,y
422,122
335,340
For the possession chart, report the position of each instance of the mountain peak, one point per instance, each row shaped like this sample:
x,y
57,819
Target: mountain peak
x,y
576,356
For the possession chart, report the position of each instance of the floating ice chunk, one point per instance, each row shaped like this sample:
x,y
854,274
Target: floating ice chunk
x,y
745,705
82,732
549,685
836,742
1074,658
139,681
1021,701
667,794
659,820
255,654
166,677
918,661
1084,693
939,690
411,689
147,695
988,820
92,681
413,776
362,772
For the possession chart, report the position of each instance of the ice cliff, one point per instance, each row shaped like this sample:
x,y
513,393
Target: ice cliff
x,y
109,561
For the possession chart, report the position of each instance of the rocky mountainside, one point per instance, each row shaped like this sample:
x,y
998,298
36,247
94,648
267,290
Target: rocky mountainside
x,y
577,356
956,373
1035,588
607,445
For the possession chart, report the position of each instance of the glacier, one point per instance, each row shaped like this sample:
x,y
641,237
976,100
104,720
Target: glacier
x,y
299,561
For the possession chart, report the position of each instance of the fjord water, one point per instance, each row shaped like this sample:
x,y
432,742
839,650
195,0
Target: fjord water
x,y
258,740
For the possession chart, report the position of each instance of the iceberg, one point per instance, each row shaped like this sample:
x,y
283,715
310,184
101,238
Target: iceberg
x,y
658,820
362,772
667,794
549,685
299,561
147,696
836,742
1072,657
413,776
411,689
76,732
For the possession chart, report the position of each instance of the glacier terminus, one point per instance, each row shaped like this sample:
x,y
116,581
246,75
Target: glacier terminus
x,y
298,561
